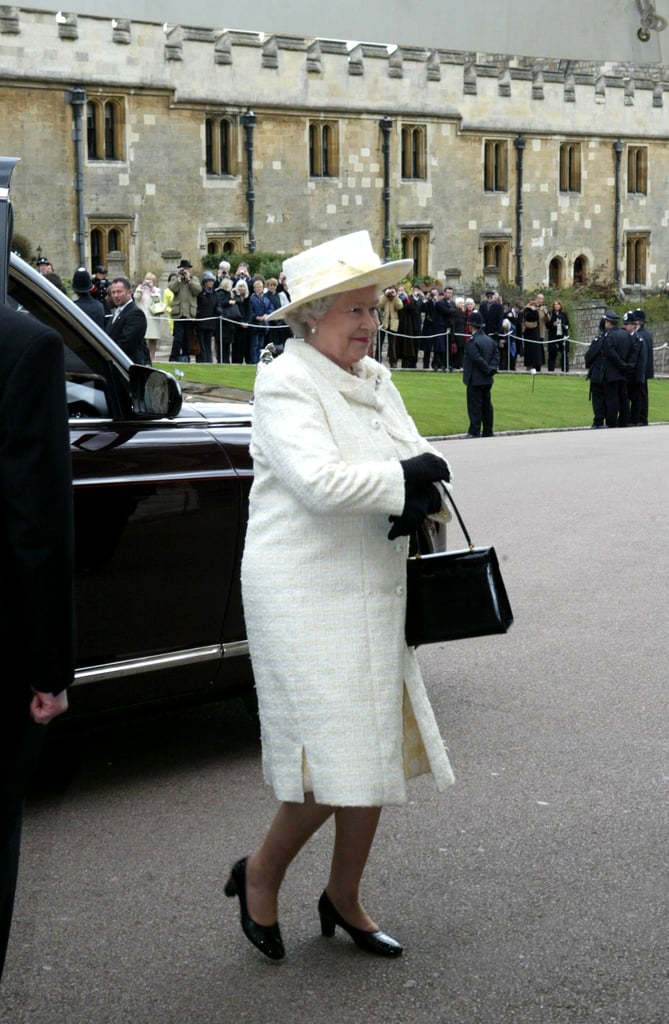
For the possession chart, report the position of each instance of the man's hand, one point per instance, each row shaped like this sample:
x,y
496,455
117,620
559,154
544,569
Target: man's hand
x,y
45,706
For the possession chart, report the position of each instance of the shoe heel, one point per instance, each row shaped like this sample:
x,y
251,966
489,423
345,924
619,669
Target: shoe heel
x,y
230,887
328,919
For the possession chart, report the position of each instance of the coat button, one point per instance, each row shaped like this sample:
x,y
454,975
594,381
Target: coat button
x,y
399,590
375,424
399,548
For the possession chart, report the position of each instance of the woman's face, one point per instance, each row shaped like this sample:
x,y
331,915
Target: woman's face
x,y
258,287
557,305
348,327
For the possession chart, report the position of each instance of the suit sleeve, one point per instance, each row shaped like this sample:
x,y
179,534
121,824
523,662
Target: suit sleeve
x,y
36,512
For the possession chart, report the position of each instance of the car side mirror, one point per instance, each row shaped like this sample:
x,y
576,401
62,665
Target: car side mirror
x,y
154,393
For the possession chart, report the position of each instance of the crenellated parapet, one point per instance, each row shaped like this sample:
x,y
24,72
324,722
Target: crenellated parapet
x,y
164,55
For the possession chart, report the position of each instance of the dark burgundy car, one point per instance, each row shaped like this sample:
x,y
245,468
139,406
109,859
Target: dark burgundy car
x,y
160,495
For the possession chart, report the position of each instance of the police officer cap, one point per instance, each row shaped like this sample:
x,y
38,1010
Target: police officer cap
x,y
81,281
611,316
639,315
475,319
629,317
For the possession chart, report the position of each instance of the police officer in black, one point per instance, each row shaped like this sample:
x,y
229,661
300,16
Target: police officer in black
x,y
617,346
82,286
594,361
636,362
647,338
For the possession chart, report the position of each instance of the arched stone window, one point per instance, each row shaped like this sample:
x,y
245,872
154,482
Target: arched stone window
x,y
224,244
556,272
570,167
105,124
219,142
496,254
636,262
414,151
323,149
415,247
637,170
106,237
581,269
495,165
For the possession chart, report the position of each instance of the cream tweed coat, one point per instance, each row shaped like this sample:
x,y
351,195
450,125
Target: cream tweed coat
x,y
343,707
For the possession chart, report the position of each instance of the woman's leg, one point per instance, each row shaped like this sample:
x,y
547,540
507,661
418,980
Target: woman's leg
x,y
355,828
292,826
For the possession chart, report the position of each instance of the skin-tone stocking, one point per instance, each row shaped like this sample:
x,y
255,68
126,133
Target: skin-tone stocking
x,y
292,826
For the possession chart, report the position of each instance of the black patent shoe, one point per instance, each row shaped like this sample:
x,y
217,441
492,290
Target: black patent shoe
x,y
266,938
371,942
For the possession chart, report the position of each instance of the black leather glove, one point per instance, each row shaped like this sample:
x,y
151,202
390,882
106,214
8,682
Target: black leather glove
x,y
419,503
424,469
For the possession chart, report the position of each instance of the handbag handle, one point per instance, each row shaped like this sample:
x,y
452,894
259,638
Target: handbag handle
x,y
460,519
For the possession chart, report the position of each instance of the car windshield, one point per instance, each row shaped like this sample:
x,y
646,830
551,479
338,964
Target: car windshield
x,y
86,371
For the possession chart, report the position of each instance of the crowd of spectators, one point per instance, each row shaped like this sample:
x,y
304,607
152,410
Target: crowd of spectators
x,y
430,329
222,316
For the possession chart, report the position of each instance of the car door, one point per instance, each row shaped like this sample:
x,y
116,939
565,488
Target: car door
x,y
158,513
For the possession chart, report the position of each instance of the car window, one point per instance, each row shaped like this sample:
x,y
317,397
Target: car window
x,y
86,371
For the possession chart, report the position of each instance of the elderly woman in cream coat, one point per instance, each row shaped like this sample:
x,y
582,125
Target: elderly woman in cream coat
x,y
344,713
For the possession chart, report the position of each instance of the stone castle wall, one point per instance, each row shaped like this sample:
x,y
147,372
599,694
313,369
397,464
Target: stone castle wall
x,y
170,78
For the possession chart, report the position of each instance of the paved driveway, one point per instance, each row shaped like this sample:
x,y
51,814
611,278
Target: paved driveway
x,y
535,891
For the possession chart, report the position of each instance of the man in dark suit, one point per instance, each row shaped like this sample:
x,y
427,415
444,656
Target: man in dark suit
x,y
492,311
36,554
480,366
127,326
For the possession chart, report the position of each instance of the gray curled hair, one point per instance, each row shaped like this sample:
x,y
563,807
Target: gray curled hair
x,y
314,310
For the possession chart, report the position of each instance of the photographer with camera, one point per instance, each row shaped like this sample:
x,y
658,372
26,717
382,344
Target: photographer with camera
x,y
389,307
186,287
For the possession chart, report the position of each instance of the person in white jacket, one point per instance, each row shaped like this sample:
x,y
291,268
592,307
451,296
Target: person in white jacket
x,y
344,713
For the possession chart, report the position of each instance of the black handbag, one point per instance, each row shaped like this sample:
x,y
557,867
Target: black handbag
x,y
453,595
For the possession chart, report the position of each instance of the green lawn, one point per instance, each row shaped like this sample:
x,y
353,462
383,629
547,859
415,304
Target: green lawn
x,y
437,400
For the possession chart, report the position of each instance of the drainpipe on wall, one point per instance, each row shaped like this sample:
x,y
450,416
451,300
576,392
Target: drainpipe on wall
x,y
77,100
248,122
618,147
519,144
386,126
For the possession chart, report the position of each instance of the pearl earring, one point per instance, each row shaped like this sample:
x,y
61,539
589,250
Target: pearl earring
x,y
313,330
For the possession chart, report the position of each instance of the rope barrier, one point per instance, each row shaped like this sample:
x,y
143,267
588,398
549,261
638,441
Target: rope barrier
x,y
200,320
506,337
384,331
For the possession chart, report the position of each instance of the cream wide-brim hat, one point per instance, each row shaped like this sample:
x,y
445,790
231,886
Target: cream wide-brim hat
x,y
341,265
